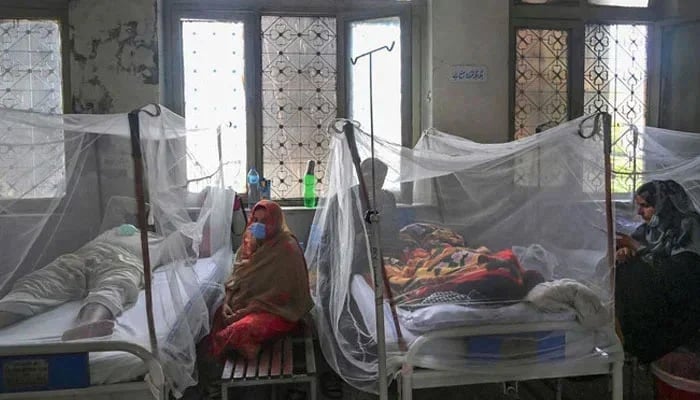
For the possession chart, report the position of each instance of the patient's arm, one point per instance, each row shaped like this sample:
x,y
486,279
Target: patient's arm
x,y
174,247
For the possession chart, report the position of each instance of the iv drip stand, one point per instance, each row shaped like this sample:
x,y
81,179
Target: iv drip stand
x,y
372,221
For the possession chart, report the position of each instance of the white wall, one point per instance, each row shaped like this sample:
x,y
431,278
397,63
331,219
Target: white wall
x,y
468,32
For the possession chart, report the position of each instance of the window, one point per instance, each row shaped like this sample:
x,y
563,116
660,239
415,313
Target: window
x,y
299,99
563,69
367,35
32,162
615,82
213,65
278,81
541,79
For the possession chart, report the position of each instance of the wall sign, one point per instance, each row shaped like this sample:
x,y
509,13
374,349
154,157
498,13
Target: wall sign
x,y
468,73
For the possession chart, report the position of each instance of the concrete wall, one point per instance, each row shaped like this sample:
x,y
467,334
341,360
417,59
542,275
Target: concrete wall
x,y
473,32
114,69
680,78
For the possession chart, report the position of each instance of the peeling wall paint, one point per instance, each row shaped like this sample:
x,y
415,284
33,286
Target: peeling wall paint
x,y
114,53
114,69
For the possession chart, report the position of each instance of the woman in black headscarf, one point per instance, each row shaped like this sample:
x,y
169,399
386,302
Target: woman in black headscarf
x,y
657,287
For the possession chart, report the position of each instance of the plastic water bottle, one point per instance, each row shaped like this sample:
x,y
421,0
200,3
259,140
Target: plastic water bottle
x,y
253,187
310,185
265,188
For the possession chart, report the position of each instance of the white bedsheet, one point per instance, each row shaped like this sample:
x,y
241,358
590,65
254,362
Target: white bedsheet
x,y
450,353
443,316
114,367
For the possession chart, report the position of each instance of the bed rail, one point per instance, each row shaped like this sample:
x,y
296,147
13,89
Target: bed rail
x,y
155,370
482,330
412,377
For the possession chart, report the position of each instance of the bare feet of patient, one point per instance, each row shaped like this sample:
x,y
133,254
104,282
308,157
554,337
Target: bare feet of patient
x,y
89,330
94,320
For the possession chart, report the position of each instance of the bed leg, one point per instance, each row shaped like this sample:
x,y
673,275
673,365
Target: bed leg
x,y
405,385
560,388
313,388
224,392
617,384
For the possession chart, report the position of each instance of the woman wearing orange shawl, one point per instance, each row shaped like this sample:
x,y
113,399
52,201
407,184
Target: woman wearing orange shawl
x,y
268,291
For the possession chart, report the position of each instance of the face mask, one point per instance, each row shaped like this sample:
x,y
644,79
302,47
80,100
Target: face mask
x,y
127,230
258,230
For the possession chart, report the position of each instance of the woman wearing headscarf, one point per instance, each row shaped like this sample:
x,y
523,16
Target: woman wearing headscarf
x,y
658,273
268,291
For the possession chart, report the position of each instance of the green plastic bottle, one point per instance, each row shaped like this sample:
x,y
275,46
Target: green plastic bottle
x,y
310,185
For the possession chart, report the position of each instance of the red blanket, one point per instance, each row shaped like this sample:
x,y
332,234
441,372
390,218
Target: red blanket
x,y
449,266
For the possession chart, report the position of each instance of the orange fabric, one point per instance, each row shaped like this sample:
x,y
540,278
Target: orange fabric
x,y
488,276
270,275
248,334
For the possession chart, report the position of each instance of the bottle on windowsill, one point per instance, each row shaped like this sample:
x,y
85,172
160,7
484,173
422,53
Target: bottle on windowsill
x,y
310,185
253,187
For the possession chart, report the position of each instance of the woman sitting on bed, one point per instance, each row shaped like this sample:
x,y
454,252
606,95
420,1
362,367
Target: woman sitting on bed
x,y
658,273
268,291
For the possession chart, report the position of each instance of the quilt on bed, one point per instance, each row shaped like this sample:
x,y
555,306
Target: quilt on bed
x,y
438,267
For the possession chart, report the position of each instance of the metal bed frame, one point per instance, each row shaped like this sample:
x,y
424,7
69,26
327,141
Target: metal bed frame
x,y
155,381
411,377
156,378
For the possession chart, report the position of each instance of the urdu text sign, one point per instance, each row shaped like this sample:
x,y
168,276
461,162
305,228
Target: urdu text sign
x,y
468,73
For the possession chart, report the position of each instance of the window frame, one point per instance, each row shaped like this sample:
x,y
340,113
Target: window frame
x,y
574,29
174,82
404,15
344,22
250,12
56,10
574,18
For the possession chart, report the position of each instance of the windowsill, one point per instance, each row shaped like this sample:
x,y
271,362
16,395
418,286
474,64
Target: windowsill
x,y
298,208
290,208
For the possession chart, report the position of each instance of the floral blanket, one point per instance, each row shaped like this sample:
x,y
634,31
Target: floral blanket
x,y
438,264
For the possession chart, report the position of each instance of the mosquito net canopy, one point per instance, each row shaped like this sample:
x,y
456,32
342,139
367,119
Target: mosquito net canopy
x,y
510,235
71,237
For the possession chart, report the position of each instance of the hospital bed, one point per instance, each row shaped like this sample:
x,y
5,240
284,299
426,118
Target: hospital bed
x,y
122,366
452,345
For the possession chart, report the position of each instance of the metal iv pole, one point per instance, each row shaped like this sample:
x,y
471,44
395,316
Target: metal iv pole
x,y
372,220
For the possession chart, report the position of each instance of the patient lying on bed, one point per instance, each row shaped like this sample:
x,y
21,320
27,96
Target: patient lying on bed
x,y
437,265
106,273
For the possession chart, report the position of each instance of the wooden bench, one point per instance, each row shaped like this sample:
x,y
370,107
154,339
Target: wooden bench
x,y
288,360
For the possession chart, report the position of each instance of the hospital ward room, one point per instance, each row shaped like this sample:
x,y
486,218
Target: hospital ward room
x,y
349,199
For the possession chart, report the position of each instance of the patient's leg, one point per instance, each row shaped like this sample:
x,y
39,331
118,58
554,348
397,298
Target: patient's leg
x,y
94,320
8,318
114,284
60,281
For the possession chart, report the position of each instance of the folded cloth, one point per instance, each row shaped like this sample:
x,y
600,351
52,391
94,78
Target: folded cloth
x,y
568,294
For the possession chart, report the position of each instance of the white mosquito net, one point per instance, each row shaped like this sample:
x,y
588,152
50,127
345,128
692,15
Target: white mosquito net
x,y
509,235
65,243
